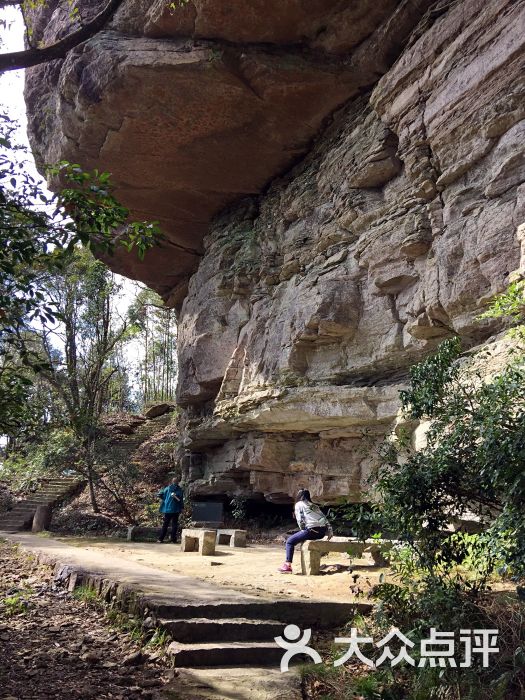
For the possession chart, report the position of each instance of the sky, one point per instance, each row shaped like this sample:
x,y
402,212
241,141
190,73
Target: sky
x,y
12,82
12,102
12,39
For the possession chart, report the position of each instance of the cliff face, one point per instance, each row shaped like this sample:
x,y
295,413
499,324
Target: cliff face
x,y
307,301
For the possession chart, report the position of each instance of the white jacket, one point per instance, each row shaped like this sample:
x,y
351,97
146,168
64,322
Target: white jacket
x,y
308,515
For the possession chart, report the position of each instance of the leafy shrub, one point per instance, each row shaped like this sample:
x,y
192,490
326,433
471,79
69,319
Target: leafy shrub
x,y
362,520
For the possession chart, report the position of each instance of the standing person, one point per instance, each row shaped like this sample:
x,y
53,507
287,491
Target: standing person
x,y
313,525
171,505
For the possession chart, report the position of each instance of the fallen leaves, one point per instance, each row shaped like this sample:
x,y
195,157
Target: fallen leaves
x,y
54,646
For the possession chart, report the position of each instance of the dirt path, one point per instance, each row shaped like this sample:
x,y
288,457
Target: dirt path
x,y
251,570
53,645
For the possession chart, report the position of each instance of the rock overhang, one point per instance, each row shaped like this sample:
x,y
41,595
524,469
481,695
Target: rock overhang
x,y
193,108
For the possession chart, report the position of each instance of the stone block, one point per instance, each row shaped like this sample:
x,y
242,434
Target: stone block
x,y
196,540
137,533
232,537
42,518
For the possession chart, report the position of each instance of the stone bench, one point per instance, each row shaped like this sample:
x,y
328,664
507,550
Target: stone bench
x,y
231,536
312,550
198,540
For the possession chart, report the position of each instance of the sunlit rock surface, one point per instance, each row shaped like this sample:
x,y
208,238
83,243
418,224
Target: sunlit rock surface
x,y
340,184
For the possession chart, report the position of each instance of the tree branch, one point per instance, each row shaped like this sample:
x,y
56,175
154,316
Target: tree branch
x,y
33,57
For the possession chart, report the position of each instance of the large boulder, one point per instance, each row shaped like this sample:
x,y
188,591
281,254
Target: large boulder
x,y
159,409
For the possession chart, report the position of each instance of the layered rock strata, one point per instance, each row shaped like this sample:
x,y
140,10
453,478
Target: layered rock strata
x,y
306,303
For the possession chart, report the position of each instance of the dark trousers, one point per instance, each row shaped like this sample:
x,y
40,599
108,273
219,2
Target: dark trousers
x,y
316,533
172,518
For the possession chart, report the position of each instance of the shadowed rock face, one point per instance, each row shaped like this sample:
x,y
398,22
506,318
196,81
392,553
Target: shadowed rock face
x,y
400,127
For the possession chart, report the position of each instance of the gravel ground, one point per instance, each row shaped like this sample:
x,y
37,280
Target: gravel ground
x,y
53,645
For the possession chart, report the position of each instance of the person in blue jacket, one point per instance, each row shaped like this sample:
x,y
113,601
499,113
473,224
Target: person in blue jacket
x,y
172,502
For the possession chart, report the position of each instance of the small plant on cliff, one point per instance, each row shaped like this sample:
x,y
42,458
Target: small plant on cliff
x,y
511,306
287,378
177,4
239,508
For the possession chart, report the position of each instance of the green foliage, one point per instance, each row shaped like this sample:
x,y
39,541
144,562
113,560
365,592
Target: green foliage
x,y
38,233
15,392
510,304
96,214
430,380
80,358
154,324
474,460
16,603
24,470
86,594
153,638
362,520
473,463
239,508
159,640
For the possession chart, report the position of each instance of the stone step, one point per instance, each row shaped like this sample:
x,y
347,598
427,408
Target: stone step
x,y
225,654
47,496
16,511
14,524
319,614
56,487
51,491
12,527
19,512
62,480
66,481
33,502
227,630
37,499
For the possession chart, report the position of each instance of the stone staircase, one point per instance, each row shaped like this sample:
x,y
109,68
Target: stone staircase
x,y
230,634
207,625
51,493
124,447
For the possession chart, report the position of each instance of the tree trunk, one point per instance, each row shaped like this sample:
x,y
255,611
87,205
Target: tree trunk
x,y
92,494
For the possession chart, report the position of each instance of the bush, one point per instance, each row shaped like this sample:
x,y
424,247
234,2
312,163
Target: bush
x,y
473,462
